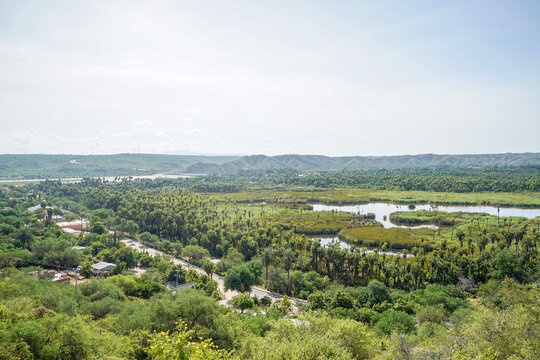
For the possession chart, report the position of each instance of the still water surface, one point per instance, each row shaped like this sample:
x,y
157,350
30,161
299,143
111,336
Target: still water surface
x,y
329,241
382,211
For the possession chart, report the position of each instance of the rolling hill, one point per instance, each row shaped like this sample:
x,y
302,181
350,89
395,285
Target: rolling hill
x,y
319,162
65,166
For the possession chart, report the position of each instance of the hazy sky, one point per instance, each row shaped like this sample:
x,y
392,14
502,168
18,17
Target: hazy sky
x,y
273,77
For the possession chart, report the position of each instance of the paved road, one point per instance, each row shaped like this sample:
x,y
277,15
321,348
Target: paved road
x,y
228,295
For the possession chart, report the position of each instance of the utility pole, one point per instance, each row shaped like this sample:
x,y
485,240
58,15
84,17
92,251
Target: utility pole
x,y
177,271
76,280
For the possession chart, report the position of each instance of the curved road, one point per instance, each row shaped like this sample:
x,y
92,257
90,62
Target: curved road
x,y
228,295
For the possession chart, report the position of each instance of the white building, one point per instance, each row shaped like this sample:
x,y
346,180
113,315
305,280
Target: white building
x,y
101,268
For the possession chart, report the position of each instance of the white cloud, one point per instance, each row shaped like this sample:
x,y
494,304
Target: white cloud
x,y
118,134
81,75
142,122
194,131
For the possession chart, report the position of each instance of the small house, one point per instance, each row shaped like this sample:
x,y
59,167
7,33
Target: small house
x,y
74,225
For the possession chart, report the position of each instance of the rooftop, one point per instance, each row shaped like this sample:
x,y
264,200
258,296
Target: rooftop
x,y
71,223
103,265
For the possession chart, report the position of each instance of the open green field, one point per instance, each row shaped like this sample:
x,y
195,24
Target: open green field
x,y
439,218
353,196
310,222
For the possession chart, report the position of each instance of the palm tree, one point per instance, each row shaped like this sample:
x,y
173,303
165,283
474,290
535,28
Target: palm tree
x,y
25,237
460,235
482,242
266,258
493,237
508,236
315,250
470,245
288,260
519,235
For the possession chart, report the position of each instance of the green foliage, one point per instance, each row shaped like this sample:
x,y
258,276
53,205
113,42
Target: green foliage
x,y
438,296
102,307
312,336
56,252
194,253
257,324
180,345
375,293
398,238
135,286
240,278
97,227
509,264
392,320
243,301
501,329
433,314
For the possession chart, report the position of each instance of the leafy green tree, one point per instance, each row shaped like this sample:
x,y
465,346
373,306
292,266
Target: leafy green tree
x,y
25,238
194,252
342,299
86,269
175,273
97,227
509,264
317,301
130,227
239,278
210,268
126,255
375,293
243,301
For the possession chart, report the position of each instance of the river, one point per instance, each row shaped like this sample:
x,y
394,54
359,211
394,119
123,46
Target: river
x,y
382,211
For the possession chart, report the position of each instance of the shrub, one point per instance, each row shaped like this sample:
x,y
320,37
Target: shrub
x,y
395,320
434,314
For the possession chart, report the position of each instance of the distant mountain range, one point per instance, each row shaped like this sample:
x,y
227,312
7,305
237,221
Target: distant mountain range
x,y
65,166
319,162
56,166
